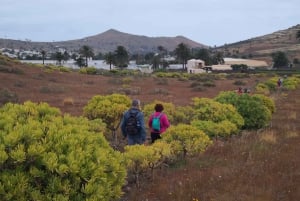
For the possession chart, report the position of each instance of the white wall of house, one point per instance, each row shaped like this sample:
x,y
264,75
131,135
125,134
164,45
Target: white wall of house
x,y
195,70
195,66
195,63
221,67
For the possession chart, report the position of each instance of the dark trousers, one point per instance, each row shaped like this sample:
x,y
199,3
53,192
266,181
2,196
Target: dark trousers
x,y
155,136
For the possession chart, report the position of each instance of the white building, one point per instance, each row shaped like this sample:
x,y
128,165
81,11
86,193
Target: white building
x,y
195,66
249,62
198,65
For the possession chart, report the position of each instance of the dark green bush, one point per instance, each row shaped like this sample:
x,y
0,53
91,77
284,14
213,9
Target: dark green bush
x,y
253,109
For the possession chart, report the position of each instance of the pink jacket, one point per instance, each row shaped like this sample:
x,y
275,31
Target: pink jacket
x,y
164,122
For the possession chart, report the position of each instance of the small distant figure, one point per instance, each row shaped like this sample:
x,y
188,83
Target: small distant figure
x,y
158,123
240,90
246,90
279,82
133,124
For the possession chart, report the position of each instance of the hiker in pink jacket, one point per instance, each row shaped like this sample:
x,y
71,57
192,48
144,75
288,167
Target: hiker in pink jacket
x,y
163,122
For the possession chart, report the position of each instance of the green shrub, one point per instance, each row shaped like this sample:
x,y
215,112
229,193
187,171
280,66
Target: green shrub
x,y
88,70
64,69
272,83
262,88
186,140
109,108
220,129
206,109
140,158
209,83
46,156
183,114
251,108
291,83
266,101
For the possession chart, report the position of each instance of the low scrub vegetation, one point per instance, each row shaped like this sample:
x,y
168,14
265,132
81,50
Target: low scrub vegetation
x,y
45,155
7,96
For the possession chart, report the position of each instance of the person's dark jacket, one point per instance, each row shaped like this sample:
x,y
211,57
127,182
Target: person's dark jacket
x,y
140,138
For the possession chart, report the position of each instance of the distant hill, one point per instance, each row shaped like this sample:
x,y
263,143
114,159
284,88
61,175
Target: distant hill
x,y
262,47
105,42
256,48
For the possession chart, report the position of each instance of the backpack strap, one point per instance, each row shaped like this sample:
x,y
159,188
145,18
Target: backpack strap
x,y
160,114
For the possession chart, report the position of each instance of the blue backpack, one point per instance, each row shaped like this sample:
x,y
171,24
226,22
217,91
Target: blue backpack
x,y
156,122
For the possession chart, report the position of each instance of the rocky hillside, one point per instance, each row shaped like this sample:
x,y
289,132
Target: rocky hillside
x,y
256,48
262,47
105,42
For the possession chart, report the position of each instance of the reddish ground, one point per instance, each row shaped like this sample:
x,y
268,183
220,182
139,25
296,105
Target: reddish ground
x,y
261,165
57,88
258,165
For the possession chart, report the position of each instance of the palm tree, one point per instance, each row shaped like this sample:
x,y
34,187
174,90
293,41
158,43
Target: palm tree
x,y
280,60
204,55
162,50
43,52
298,35
218,58
182,52
86,52
79,61
59,57
109,59
121,57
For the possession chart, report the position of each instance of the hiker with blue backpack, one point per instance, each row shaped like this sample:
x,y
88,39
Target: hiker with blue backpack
x,y
133,124
158,123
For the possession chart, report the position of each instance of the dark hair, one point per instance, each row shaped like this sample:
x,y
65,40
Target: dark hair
x,y
159,107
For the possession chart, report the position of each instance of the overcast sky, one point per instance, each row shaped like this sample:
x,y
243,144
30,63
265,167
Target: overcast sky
x,y
210,22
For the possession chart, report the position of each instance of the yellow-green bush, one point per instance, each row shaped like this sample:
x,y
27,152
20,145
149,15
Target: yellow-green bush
x,y
109,108
262,88
47,156
186,140
267,101
140,158
291,83
224,128
210,110
183,114
252,108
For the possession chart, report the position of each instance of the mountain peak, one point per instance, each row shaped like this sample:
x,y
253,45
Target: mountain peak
x,y
112,31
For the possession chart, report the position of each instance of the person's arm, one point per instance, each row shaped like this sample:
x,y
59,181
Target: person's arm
x,y
143,129
123,123
165,121
150,121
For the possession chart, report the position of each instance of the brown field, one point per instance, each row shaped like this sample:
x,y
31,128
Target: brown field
x,y
58,88
259,165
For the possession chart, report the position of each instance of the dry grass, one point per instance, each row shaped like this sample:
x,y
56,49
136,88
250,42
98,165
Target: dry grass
x,y
68,101
268,137
256,166
292,134
292,115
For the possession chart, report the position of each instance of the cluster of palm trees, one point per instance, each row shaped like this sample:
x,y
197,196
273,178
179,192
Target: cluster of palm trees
x,y
120,57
